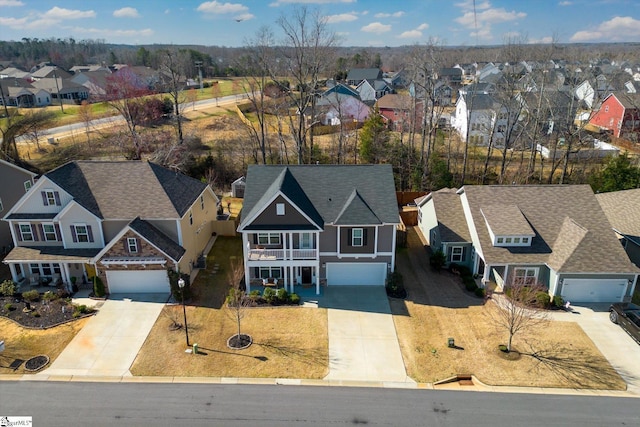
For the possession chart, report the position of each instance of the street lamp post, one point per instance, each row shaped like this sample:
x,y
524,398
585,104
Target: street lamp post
x,y
184,310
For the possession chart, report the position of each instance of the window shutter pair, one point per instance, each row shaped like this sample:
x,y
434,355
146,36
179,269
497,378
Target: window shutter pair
x,y
74,236
56,196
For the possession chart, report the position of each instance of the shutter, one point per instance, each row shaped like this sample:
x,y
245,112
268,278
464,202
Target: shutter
x,y
18,233
41,230
464,254
44,198
34,231
56,195
349,236
125,244
73,234
138,246
255,239
449,252
364,237
90,233
58,234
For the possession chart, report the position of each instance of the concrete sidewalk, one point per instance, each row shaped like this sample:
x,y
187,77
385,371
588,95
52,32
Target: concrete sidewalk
x,y
363,344
110,341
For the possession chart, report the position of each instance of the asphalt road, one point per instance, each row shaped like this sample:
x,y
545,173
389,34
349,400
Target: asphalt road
x,y
135,404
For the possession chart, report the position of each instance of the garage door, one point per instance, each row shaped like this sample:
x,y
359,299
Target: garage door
x,y
593,290
350,274
149,281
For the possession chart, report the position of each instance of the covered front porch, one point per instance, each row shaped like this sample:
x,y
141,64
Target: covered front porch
x,y
288,277
49,266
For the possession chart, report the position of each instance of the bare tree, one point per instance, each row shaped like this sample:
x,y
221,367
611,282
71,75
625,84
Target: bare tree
x,y
306,51
519,310
86,115
30,124
237,302
173,66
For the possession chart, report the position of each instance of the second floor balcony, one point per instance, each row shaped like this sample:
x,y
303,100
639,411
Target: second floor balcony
x,y
259,253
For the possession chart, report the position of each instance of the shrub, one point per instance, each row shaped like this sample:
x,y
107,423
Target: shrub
x,y
9,307
254,295
282,295
479,292
269,295
294,299
31,295
395,285
438,259
543,300
7,288
231,297
469,283
79,310
558,301
98,287
50,296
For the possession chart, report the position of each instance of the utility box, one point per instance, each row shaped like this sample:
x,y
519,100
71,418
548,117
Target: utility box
x,y
195,348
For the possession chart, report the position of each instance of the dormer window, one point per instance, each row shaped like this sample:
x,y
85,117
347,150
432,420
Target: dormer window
x,y
279,209
132,244
49,198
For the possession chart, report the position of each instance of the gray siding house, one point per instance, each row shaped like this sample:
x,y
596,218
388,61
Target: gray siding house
x,y
555,235
319,224
16,181
622,208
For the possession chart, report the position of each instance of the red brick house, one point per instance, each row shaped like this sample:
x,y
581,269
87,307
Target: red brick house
x,y
399,111
619,113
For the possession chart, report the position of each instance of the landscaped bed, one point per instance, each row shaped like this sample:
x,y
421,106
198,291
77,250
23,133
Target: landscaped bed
x,y
558,354
288,342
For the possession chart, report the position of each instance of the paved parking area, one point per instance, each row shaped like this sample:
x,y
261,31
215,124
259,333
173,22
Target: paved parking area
x,y
363,344
110,341
613,342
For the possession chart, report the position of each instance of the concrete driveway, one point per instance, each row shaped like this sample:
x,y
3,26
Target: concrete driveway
x,y
110,341
613,342
363,345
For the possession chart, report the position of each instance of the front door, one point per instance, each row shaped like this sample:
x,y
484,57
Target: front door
x,y
306,275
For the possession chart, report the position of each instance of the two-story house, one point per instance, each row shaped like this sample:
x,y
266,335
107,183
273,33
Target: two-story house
x,y
16,181
128,222
620,114
312,224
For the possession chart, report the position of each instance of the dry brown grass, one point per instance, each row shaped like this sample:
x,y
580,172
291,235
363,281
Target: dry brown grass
x,y
23,343
289,342
557,355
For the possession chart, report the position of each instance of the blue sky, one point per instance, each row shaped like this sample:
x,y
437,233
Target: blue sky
x,y
356,22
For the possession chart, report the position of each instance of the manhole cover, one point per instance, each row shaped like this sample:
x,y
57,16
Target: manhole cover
x,y
36,363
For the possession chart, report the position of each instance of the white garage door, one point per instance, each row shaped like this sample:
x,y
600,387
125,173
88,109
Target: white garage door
x,y
593,290
149,281
349,274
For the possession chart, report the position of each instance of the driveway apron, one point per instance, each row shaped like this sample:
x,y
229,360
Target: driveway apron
x,y
613,342
110,341
363,345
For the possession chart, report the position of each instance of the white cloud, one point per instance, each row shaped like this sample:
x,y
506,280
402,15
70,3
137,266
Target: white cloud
x,y
10,3
376,27
469,5
219,8
422,27
389,15
620,28
62,14
565,3
481,19
244,17
126,12
343,17
411,34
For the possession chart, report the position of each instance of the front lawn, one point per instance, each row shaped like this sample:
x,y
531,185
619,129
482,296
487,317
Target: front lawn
x,y
437,309
288,342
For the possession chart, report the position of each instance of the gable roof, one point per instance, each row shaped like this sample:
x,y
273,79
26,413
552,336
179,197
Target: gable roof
x,y
157,238
125,190
395,101
359,74
572,233
452,224
622,209
327,194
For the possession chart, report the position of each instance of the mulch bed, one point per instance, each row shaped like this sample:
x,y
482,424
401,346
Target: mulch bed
x,y
41,315
36,363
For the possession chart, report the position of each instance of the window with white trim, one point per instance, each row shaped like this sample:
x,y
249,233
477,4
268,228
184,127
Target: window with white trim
x,y
26,233
268,238
82,234
525,276
27,185
357,237
50,197
49,233
202,202
269,272
279,209
457,254
306,241
132,245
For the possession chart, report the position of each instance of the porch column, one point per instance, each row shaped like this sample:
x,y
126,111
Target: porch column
x,y
245,249
247,278
486,274
14,273
66,275
393,248
290,245
317,270
291,277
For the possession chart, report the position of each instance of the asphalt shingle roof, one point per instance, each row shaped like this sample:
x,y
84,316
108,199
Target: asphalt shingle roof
x,y
125,190
328,194
622,208
451,221
506,220
572,233
158,238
